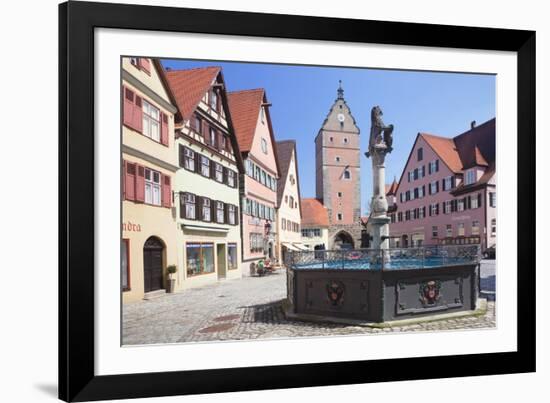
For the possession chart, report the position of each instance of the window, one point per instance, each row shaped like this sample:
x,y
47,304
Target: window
x,y
475,227
448,183
434,231
231,214
220,212
474,201
213,135
198,125
415,174
311,232
257,172
291,201
340,216
206,209
422,212
262,114
231,178
447,207
419,154
407,215
460,229
337,159
263,177
433,167
151,121
223,144
470,177
434,187
232,262
214,100
264,146
205,166
256,242
493,227
492,199
449,230
152,187
218,172
189,159
434,209
331,139
189,205
347,174
283,224
339,194
200,258
345,140
399,216
460,205
423,171
124,266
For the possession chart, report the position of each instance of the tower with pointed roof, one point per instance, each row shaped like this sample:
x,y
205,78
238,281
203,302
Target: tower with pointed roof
x,y
337,160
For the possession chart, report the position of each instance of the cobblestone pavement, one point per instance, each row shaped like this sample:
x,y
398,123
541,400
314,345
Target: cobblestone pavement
x,y
248,308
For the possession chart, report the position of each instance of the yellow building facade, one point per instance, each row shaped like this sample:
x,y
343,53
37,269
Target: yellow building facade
x,y
148,170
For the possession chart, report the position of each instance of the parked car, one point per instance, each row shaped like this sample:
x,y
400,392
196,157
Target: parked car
x,y
490,252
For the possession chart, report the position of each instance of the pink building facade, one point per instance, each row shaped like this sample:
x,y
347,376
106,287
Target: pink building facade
x,y
447,191
255,137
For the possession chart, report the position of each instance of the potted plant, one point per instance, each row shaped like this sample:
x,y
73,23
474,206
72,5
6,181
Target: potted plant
x,y
171,283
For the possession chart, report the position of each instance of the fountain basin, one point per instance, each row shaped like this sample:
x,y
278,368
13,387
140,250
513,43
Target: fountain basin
x,y
383,285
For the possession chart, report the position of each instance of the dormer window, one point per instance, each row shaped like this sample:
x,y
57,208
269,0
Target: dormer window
x,y
470,177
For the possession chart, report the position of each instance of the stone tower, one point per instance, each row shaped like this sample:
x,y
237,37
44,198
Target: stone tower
x,y
337,165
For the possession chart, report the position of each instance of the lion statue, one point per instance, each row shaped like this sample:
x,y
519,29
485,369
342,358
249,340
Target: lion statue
x,y
380,134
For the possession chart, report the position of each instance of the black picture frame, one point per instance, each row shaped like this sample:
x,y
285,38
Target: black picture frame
x,y
77,21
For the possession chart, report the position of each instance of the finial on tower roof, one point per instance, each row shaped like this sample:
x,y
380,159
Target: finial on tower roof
x,y
340,90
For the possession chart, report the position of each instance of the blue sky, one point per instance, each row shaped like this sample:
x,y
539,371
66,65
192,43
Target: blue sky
x,y
413,101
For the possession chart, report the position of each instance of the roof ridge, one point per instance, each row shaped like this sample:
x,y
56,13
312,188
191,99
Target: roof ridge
x,y
191,69
248,90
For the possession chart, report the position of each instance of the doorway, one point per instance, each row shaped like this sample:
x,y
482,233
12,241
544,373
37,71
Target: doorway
x,y
222,260
152,264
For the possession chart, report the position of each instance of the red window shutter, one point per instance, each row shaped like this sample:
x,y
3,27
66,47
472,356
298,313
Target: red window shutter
x,y
164,129
128,109
140,183
166,191
138,115
130,181
145,65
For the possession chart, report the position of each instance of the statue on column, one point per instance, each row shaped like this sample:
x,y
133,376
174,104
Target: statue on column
x,y
380,135
380,144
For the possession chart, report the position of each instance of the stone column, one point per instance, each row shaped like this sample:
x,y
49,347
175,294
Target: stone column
x,y
379,219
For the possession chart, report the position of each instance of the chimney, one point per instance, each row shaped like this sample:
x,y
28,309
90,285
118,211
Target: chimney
x,y
473,124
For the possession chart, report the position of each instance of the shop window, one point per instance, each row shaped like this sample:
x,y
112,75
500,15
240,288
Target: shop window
x,y
449,230
493,227
232,262
461,229
200,258
475,227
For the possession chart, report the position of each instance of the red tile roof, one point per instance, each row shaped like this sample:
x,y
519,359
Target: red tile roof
x,y
189,86
473,147
391,189
245,109
314,213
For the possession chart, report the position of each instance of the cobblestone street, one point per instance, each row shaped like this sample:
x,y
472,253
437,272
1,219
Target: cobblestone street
x,y
250,308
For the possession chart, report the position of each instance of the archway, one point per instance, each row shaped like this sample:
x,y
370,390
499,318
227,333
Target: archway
x,y
152,264
343,240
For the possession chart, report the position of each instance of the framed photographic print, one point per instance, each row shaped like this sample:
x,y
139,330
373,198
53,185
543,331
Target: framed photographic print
x,y
258,201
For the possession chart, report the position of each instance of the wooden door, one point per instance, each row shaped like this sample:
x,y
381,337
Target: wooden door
x,y
152,265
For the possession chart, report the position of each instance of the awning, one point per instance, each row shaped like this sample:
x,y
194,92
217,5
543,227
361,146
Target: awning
x,y
290,246
300,246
